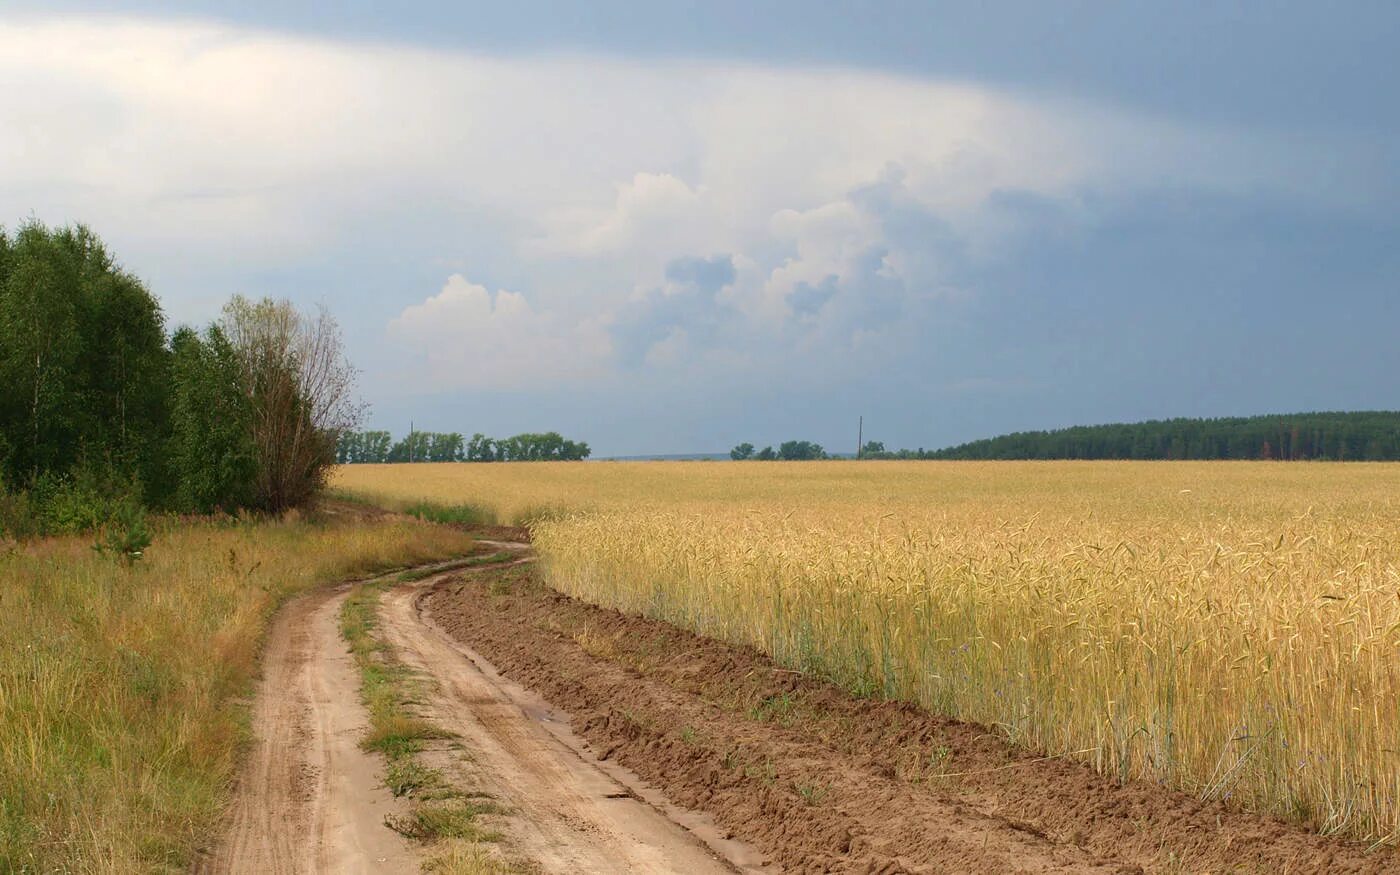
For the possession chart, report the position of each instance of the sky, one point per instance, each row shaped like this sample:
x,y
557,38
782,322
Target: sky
x,y
673,227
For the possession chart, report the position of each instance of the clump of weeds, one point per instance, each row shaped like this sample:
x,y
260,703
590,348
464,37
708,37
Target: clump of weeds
x,y
778,708
812,794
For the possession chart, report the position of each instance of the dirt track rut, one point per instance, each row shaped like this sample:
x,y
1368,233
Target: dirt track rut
x,y
311,801
573,814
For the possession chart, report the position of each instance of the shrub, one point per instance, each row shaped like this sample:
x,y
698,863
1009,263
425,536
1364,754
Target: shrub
x,y
16,519
126,534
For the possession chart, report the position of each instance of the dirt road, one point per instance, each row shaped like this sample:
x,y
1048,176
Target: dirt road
x,y
311,801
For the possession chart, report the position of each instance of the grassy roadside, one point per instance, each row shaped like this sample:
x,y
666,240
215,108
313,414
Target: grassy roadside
x,y
452,511
124,689
444,816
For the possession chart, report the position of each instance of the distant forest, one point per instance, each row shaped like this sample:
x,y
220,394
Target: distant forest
x,y
1369,436
429,446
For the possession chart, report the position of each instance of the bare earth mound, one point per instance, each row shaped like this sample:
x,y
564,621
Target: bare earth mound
x,y
821,781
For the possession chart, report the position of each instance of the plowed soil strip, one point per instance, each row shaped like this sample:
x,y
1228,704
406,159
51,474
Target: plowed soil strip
x,y
820,781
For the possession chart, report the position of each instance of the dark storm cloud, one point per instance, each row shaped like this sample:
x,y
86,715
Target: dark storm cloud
x,y
689,302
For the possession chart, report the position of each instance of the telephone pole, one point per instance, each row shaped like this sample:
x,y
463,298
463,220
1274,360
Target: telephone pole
x,y
860,436
410,440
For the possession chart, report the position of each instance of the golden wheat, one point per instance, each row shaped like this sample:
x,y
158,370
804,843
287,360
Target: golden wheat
x,y
1232,629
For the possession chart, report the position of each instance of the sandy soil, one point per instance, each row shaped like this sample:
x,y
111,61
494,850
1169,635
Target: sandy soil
x,y
570,813
820,781
311,801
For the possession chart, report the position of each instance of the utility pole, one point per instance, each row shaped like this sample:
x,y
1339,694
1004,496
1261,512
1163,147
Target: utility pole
x,y
410,440
860,436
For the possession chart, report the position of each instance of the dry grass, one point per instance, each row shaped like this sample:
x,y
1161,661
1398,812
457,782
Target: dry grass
x,y
1229,628
121,688
467,857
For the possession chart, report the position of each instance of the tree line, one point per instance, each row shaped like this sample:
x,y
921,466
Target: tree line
x,y
101,411
1356,436
1360,436
356,447
788,451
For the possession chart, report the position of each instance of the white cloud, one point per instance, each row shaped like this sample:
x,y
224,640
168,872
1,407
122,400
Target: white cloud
x,y
209,144
464,336
651,209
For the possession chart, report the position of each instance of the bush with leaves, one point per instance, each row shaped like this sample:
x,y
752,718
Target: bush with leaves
x,y
125,535
211,444
299,386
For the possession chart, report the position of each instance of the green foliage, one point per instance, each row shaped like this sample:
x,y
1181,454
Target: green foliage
x,y
788,451
98,411
126,534
211,446
532,447
800,451
65,506
82,499
17,519
481,448
83,361
363,446
428,446
1360,436
873,450
299,384
1369,436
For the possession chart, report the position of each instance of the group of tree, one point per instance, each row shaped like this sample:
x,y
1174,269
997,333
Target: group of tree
x,y
1362,436
100,408
1359,436
788,451
428,446
876,450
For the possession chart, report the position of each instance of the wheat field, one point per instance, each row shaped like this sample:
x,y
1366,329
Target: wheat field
x,y
1231,629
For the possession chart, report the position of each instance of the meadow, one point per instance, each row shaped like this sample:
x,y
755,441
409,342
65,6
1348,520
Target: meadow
x,y
123,687
1230,629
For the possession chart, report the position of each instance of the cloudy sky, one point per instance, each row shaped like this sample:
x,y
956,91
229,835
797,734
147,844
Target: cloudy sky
x,y
670,227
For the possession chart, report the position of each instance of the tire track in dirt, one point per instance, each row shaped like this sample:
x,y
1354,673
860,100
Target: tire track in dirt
x,y
571,814
309,800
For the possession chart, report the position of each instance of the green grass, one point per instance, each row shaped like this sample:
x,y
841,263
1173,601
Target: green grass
x,y
440,813
393,732
458,514
422,573
448,819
